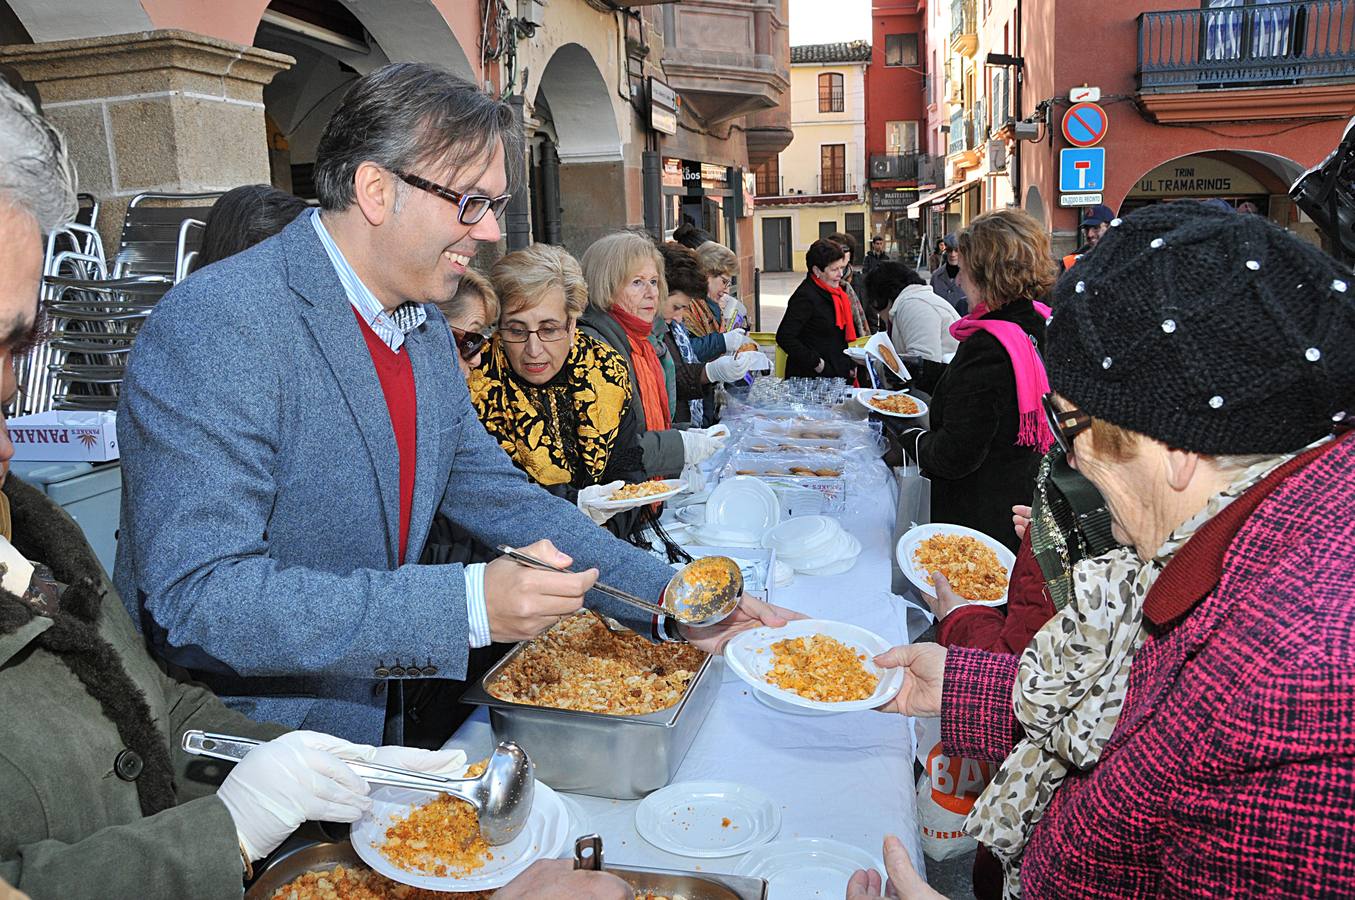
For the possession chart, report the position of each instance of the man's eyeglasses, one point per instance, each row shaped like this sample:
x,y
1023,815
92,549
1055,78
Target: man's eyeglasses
x,y
470,208
516,334
1066,424
468,343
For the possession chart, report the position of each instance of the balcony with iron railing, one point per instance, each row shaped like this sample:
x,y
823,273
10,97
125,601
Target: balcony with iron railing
x,y
1272,60
894,166
962,149
964,32
835,183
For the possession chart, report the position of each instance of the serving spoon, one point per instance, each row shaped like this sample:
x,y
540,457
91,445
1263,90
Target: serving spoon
x,y
502,795
703,592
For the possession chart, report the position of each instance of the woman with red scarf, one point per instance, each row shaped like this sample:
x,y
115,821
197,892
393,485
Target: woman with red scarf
x,y
625,279
818,326
988,430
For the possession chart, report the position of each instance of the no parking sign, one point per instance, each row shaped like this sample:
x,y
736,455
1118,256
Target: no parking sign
x,y
1084,124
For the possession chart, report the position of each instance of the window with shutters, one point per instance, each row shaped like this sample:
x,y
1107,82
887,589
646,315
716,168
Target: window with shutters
x,y
768,176
831,97
833,169
900,49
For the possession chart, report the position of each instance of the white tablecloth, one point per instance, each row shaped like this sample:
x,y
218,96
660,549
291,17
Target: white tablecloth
x,y
847,777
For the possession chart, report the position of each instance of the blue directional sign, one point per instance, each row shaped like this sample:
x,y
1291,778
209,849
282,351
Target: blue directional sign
x,y
1082,170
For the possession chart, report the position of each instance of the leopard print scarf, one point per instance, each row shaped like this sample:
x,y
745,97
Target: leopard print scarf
x,y
1070,686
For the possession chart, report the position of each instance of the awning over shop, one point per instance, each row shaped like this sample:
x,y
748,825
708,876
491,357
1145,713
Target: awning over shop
x,y
942,196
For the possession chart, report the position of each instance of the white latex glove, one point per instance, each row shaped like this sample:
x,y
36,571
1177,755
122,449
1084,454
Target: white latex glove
x,y
719,432
697,446
732,368
735,339
287,781
447,763
591,495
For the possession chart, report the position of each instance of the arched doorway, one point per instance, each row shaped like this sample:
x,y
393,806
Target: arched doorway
x,y
577,160
1246,180
334,44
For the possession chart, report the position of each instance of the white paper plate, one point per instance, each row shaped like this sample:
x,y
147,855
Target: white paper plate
x,y
675,487
908,542
856,353
838,566
805,868
842,547
789,708
744,660
863,395
744,503
802,535
715,536
873,348
707,818
544,837
694,514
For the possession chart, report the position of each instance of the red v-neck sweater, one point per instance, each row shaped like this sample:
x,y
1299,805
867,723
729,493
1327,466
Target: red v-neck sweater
x,y
397,384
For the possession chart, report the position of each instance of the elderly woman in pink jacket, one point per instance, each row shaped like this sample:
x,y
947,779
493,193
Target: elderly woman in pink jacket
x,y
1182,728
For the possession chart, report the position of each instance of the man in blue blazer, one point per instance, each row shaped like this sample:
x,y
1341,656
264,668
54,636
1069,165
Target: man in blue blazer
x,y
293,417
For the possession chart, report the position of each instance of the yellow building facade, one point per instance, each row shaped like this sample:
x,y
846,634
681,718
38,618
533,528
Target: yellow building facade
x,y
816,185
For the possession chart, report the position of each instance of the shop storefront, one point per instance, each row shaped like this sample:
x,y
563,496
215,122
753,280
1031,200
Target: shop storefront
x,y
705,194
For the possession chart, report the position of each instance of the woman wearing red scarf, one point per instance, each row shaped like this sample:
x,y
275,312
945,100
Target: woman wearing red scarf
x,y
624,272
988,430
818,326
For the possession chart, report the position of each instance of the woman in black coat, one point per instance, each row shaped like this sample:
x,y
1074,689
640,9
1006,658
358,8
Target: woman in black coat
x,y
983,450
818,326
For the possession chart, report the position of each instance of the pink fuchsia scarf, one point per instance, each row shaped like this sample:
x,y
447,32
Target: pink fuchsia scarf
x,y
1031,381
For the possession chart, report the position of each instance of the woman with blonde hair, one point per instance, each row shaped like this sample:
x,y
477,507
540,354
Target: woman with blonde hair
x,y
705,320
987,429
471,313
558,402
625,288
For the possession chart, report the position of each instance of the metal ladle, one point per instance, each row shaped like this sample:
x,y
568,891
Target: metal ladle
x,y
688,601
502,795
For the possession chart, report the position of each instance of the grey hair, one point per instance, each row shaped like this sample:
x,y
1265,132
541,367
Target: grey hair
x,y
36,175
405,115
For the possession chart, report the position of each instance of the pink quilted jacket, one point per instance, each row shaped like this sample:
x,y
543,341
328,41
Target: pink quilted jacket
x,y
1232,770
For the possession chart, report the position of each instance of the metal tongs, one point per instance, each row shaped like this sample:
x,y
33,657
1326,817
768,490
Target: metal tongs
x,y
502,796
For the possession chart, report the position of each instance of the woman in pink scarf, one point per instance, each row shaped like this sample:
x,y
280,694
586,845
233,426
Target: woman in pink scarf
x,y
987,429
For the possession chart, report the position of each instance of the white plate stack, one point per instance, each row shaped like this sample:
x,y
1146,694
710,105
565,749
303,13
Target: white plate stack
x,y
813,545
739,512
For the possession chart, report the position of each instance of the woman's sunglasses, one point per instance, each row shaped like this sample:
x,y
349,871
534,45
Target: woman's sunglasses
x,y
1066,424
468,343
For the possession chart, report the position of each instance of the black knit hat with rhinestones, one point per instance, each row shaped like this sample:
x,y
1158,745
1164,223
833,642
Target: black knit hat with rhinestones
x,y
1210,331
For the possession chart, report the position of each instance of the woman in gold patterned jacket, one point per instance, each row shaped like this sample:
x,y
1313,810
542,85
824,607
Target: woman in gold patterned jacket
x,y
558,402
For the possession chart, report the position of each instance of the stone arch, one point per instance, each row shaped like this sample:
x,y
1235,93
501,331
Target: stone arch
x,y
580,107
48,21
577,153
300,101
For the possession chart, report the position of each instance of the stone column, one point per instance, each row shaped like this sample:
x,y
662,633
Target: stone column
x,y
168,111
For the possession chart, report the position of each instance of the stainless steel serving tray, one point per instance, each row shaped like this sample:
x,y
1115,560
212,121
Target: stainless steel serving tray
x,y
619,757
325,857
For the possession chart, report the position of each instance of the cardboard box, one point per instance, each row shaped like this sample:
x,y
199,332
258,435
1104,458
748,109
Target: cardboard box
x,y
65,435
761,591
